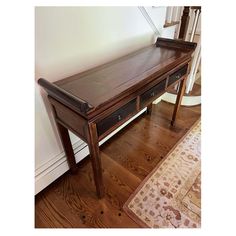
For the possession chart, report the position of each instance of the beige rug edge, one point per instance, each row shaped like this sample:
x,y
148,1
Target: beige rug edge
x,y
131,214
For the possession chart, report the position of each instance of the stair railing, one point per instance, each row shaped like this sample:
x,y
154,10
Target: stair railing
x,y
185,30
197,54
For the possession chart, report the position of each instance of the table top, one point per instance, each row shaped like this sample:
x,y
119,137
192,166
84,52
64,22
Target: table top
x,y
92,91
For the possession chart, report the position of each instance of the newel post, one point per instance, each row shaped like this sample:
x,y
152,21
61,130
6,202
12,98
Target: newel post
x,y
184,23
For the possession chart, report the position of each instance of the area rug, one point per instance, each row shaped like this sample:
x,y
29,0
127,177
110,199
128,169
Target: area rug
x,y
170,196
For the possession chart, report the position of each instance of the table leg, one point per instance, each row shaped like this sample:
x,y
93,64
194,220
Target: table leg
x,y
95,159
65,139
178,99
149,109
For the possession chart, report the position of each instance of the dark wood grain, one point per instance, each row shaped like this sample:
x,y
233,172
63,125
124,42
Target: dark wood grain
x,y
184,23
91,92
116,117
70,119
178,100
196,7
65,97
177,75
152,93
71,201
65,138
94,103
149,109
109,83
184,46
95,159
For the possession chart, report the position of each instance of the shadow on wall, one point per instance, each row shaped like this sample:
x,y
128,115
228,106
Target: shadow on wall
x,y
92,60
69,65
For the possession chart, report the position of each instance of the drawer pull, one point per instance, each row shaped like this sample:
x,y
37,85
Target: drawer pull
x,y
151,93
110,122
177,75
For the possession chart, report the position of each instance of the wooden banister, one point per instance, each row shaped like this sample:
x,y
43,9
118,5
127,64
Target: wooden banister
x,y
184,23
196,8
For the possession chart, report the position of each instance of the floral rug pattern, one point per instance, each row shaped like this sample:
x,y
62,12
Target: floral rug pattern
x,y
170,196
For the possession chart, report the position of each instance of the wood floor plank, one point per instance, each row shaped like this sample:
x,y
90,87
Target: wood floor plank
x,y
51,215
132,155
71,201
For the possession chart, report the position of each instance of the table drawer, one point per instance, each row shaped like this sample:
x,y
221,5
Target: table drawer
x,y
177,75
116,117
152,93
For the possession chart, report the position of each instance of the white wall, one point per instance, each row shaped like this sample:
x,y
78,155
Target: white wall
x,y
69,40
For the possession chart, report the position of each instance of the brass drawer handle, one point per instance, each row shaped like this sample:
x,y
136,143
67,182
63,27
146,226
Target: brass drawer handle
x,y
119,117
152,94
178,76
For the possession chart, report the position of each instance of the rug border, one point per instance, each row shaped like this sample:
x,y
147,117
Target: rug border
x,y
125,206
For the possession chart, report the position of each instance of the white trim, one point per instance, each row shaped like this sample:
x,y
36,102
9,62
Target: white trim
x,y
186,100
195,72
169,13
57,166
189,25
175,14
54,168
190,79
41,169
158,99
196,16
177,29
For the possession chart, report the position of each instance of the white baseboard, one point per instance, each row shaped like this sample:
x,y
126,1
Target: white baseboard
x,y
158,99
57,166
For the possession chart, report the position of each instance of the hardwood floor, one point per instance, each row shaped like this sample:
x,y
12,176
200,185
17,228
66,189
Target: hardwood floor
x,y
127,158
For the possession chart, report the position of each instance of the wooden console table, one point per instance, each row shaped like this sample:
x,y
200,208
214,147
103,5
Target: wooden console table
x,y
94,103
